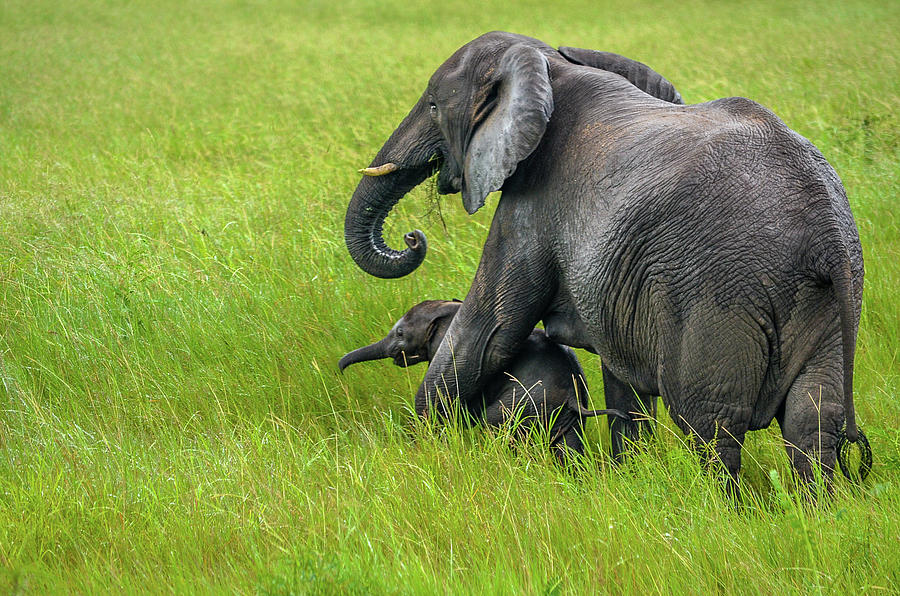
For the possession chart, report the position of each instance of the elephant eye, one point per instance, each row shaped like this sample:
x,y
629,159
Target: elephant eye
x,y
433,107
399,331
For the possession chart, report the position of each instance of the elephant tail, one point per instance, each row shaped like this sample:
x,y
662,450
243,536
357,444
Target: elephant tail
x,y
577,403
585,413
843,288
841,277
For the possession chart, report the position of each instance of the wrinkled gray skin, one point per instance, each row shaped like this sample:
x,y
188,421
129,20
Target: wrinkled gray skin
x,y
706,252
537,388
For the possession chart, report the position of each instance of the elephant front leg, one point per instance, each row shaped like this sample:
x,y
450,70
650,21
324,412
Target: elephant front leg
x,y
511,291
457,371
641,407
479,344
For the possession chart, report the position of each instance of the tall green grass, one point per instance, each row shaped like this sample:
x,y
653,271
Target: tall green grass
x,y
175,295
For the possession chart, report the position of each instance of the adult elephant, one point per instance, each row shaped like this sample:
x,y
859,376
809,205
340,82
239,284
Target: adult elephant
x,y
707,253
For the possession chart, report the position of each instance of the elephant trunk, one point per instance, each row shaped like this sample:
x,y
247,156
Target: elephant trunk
x,y
375,351
403,163
372,201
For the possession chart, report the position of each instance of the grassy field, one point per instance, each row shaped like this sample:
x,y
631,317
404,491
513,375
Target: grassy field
x,y
175,294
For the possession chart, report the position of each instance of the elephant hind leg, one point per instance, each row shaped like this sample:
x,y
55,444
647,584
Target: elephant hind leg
x,y
717,418
720,451
713,385
811,422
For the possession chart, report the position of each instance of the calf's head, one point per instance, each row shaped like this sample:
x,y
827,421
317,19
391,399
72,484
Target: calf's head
x,y
413,339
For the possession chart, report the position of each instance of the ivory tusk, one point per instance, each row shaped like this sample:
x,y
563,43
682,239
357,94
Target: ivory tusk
x,y
380,170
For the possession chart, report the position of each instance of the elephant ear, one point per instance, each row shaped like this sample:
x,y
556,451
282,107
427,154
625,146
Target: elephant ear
x,y
523,102
638,74
439,323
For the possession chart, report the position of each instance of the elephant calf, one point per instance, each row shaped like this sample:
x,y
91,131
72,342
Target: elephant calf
x,y
539,385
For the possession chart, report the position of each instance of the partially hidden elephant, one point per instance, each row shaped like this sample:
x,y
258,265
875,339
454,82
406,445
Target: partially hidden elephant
x,y
542,387
707,253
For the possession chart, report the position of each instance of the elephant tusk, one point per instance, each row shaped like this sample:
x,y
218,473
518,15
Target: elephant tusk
x,y
380,170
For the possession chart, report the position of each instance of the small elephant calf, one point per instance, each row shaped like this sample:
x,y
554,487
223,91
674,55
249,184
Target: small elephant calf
x,y
539,385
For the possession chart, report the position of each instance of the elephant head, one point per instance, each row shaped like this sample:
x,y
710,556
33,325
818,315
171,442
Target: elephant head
x,y
484,112
413,339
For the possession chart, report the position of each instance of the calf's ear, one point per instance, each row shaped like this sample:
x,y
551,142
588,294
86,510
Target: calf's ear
x,y
441,315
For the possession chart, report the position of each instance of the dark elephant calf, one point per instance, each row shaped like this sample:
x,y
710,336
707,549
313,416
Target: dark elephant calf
x,y
544,384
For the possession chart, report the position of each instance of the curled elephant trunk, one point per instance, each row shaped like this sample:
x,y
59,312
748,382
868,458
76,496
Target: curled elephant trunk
x,y
375,351
404,162
373,200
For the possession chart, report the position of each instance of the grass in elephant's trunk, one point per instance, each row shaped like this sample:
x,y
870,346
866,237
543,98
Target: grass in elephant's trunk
x,y
434,208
